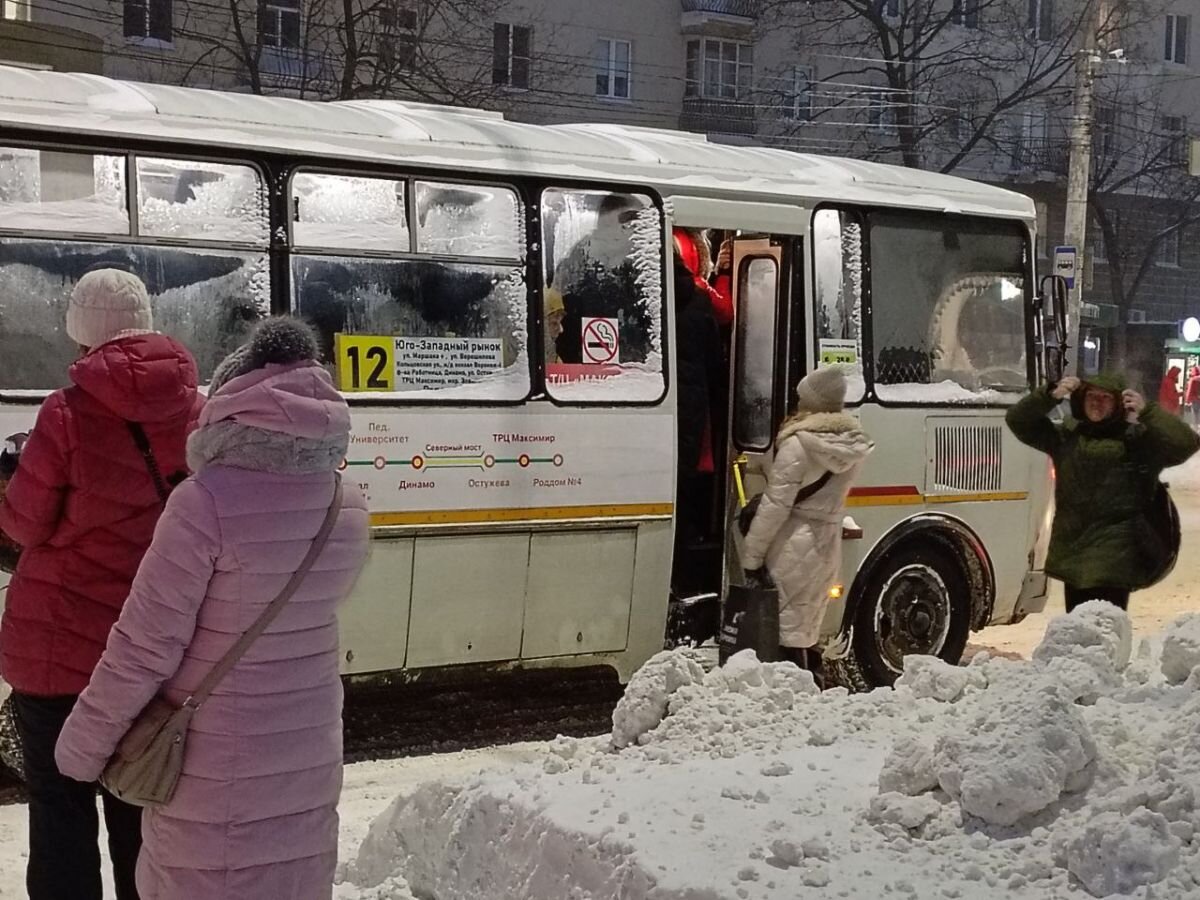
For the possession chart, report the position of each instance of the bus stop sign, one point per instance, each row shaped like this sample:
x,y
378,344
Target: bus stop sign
x,y
1066,264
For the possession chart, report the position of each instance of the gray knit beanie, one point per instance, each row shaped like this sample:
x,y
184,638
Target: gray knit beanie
x,y
822,390
280,341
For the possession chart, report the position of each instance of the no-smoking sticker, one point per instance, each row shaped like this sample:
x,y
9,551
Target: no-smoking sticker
x,y
601,341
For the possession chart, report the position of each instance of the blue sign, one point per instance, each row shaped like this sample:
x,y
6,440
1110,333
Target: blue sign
x,y
1066,264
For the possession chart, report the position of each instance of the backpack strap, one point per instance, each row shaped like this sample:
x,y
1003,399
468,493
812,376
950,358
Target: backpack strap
x,y
138,433
810,489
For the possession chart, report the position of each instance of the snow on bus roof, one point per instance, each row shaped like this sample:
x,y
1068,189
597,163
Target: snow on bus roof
x,y
391,131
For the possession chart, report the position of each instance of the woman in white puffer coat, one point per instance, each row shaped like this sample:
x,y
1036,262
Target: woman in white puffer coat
x,y
800,540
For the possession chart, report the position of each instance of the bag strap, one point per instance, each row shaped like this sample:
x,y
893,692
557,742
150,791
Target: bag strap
x,y
143,444
808,490
234,653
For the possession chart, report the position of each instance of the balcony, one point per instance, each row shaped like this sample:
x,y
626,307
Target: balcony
x,y
713,16
717,116
1041,157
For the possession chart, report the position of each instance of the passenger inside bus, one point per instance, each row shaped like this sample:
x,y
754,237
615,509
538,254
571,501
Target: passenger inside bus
x,y
704,317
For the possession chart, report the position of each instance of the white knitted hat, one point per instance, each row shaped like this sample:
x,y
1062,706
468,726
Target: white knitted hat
x,y
822,390
105,303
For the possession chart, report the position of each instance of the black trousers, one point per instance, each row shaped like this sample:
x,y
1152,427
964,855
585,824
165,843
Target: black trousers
x,y
1118,597
64,826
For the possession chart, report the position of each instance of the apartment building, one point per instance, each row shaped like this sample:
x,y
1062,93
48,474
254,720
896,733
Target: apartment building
x,y
813,79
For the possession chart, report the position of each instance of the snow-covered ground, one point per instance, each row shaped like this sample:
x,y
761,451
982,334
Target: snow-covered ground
x,y
1074,774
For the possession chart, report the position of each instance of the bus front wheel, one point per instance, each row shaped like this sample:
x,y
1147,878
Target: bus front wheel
x,y
917,601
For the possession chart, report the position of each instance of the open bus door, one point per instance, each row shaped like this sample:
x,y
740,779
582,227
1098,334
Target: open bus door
x,y
768,331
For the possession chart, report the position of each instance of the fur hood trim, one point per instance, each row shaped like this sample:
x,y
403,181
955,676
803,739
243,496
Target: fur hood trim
x,y
230,443
820,422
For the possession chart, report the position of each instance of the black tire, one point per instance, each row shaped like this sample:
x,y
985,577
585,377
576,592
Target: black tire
x,y
11,757
917,600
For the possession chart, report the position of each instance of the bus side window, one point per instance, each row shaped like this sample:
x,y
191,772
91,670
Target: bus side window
x,y
603,309
754,380
417,289
837,237
63,213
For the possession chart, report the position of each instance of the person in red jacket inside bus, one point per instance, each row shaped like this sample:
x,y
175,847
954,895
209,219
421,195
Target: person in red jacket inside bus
x,y
1170,398
87,492
697,258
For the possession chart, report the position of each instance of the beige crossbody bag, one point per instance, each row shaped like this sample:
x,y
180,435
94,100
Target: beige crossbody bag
x,y
149,759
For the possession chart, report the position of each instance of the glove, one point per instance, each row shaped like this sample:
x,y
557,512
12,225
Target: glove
x,y
759,577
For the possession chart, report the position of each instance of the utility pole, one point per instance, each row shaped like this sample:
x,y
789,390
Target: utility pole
x,y
1080,171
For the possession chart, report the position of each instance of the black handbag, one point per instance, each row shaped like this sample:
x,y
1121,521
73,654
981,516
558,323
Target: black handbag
x,y
750,621
1161,535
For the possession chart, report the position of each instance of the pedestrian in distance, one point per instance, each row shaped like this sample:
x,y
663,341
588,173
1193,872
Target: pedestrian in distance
x,y
1191,396
83,504
1108,455
1170,398
796,532
254,813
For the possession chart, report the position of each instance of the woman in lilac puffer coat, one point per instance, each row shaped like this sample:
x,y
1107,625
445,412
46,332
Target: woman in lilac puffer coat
x,y
255,813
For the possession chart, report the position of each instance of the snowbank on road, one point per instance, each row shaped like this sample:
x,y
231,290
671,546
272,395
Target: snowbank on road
x,y
1076,772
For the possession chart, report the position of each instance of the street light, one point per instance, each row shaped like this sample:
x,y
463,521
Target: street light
x,y
1191,329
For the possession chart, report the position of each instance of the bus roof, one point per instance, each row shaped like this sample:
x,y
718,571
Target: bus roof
x,y
401,133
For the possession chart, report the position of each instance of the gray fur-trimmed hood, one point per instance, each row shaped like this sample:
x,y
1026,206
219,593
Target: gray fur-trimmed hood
x,y
230,443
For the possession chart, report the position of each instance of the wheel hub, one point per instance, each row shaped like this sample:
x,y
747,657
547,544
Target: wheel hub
x,y
912,615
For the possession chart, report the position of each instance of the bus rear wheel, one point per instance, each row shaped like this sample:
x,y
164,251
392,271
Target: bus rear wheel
x,y
917,601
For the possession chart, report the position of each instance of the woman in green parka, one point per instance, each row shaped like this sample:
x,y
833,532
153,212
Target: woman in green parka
x,y
1107,455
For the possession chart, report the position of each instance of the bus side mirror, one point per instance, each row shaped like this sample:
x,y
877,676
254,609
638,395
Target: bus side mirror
x,y
1051,312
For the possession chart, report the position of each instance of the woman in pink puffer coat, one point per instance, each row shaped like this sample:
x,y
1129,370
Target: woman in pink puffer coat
x,y
255,813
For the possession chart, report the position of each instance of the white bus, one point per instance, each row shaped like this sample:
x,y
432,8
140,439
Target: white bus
x,y
495,300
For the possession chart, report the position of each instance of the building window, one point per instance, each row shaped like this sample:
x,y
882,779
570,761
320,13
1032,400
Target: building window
x,y
719,70
1175,140
512,55
15,11
881,112
148,20
1106,137
398,26
800,100
613,65
1031,140
1169,249
279,24
1177,39
891,9
965,13
1041,19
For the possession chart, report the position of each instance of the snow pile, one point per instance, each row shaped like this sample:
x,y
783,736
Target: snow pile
x,y
1075,773
1181,649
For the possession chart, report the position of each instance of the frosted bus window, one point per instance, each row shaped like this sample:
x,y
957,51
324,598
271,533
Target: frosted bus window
x,y
349,213
201,201
207,299
754,384
837,238
604,260
948,309
416,329
78,193
469,220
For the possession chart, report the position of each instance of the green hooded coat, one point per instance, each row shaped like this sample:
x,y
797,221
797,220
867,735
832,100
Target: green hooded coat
x,y
1106,474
